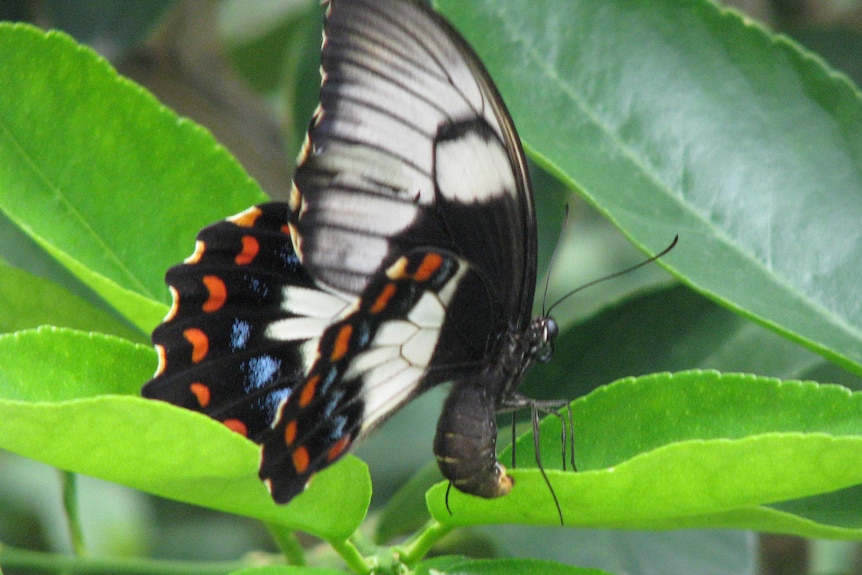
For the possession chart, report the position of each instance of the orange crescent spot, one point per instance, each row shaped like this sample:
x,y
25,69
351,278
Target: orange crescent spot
x,y
430,264
383,299
336,450
236,425
342,343
250,247
163,360
201,392
308,391
200,343
300,460
290,432
285,229
196,256
218,293
247,218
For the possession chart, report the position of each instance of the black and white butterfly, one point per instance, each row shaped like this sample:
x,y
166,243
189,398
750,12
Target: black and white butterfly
x,y
405,258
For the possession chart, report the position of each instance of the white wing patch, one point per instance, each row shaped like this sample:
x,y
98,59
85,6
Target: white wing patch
x,y
473,169
315,311
312,302
400,353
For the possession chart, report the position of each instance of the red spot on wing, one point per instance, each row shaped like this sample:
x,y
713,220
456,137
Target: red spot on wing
x,y
430,264
342,343
236,425
308,390
300,460
218,293
250,247
201,392
290,432
383,299
340,447
200,343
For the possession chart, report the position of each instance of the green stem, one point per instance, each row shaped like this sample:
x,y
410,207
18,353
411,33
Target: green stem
x,y
25,560
351,555
413,551
288,544
73,518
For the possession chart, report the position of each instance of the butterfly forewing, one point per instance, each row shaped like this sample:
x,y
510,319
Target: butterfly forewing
x,y
411,147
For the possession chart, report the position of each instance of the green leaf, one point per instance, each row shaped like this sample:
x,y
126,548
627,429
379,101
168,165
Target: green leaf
x,y
69,399
102,176
287,570
30,301
671,329
680,117
694,449
515,567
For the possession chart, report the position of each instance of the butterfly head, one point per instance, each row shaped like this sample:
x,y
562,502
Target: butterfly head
x,y
542,334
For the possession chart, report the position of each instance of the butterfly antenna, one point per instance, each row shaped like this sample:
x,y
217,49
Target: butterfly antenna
x,y
554,258
615,274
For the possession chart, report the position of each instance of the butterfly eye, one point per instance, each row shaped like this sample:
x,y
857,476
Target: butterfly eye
x,y
551,331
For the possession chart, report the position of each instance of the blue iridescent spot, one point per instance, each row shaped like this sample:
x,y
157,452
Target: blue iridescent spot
x,y
334,398
240,332
328,380
274,399
260,371
337,430
256,286
364,329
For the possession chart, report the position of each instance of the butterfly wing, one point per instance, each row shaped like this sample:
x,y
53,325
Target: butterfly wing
x,y
407,249
217,352
369,364
410,147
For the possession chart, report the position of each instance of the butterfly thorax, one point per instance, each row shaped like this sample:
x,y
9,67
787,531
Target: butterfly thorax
x,y
520,349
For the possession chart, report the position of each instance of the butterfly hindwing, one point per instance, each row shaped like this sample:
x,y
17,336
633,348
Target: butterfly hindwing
x,y
369,364
217,351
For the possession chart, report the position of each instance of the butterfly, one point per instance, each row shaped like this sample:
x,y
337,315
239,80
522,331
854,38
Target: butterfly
x,y
404,258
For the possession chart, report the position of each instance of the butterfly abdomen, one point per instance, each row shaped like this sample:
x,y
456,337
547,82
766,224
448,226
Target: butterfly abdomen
x,y
466,441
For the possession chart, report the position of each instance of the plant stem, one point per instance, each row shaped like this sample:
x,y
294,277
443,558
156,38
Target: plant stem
x,y
73,518
287,543
25,560
413,551
351,555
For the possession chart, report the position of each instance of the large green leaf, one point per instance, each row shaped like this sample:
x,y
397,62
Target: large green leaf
x,y
507,567
671,329
695,449
69,399
680,117
102,176
30,301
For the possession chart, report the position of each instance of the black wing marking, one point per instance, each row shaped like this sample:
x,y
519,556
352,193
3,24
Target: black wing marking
x,y
410,126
